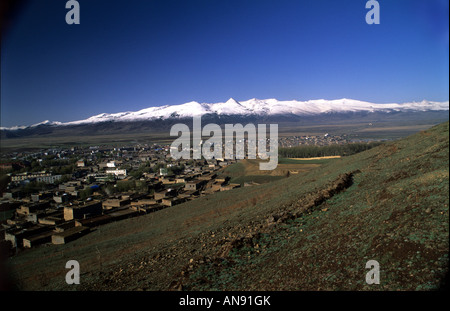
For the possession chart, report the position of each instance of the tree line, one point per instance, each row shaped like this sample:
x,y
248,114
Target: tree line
x,y
325,151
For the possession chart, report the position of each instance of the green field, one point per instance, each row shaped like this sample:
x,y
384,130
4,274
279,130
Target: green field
x,y
295,161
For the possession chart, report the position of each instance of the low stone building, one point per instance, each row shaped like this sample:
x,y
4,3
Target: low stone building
x,y
69,235
38,239
193,185
115,203
28,208
16,236
171,201
229,187
90,209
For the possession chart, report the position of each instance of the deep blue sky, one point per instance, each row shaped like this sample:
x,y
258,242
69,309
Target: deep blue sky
x,y
129,55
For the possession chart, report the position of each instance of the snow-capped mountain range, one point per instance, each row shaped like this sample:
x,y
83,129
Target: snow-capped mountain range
x,y
252,107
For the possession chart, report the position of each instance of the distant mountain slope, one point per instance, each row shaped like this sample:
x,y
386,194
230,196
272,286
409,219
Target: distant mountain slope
x,y
312,231
161,119
256,107
249,108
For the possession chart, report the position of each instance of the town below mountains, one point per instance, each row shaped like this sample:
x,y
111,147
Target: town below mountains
x,y
136,220
68,192
364,182
57,195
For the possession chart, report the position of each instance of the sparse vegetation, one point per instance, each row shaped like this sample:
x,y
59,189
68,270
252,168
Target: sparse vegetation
x,y
295,233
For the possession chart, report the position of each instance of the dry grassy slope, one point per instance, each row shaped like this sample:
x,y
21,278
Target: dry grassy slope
x,y
310,231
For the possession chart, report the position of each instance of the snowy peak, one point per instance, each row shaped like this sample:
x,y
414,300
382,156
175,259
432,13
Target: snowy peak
x,y
232,101
230,107
255,107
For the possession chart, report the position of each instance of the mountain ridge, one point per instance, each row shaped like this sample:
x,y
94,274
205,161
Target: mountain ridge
x,y
252,108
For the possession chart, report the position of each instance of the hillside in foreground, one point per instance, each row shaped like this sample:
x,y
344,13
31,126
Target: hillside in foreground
x,y
311,231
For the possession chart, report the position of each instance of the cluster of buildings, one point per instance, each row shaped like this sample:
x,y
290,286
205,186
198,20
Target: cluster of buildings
x,y
312,140
39,177
59,214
